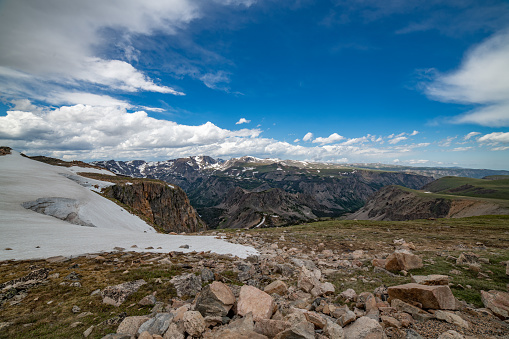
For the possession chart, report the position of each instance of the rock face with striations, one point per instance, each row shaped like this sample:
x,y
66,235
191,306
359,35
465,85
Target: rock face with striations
x,y
164,205
397,204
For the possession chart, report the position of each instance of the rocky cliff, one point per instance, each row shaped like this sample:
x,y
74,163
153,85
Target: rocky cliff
x,y
397,203
272,207
165,206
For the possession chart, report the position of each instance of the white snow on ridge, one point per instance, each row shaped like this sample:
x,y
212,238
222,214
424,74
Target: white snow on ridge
x,y
22,230
77,169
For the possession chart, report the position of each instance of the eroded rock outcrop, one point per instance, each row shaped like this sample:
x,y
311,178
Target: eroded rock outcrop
x,y
164,205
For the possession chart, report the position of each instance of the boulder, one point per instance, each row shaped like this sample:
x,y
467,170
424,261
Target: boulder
x,y
307,279
148,300
215,299
364,327
402,260
117,294
270,327
156,325
207,275
187,284
256,301
433,279
174,332
333,330
390,322
130,325
301,330
347,318
194,324
320,289
315,318
497,302
348,295
430,297
451,318
277,286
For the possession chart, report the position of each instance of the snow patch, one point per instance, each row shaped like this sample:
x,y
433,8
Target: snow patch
x,y
35,235
77,169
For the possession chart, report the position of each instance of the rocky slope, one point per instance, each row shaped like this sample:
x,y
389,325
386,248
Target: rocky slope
x,y
396,203
272,207
330,190
165,206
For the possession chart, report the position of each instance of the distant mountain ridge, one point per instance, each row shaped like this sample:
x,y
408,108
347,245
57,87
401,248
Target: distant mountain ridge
x,y
330,190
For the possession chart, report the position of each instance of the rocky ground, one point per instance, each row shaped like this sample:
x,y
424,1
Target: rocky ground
x,y
421,279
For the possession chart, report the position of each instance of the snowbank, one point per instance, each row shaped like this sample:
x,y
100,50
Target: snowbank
x,y
31,235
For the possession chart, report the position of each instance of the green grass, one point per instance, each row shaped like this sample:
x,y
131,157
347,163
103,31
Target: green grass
x,y
496,187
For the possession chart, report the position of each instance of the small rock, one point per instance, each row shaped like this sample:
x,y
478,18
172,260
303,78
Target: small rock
x,y
451,334
207,275
270,327
76,309
156,325
347,318
467,258
147,300
434,279
184,246
277,286
451,318
88,331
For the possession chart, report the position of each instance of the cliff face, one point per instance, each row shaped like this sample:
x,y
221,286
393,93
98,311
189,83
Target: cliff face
x,y
163,205
396,204
272,207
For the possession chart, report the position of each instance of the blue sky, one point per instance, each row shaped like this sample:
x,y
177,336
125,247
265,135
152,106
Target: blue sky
x,y
397,82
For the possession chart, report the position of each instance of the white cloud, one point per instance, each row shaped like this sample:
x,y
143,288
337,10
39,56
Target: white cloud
x,y
415,162
396,161
501,148
98,132
461,149
242,121
446,142
414,133
397,139
482,78
296,140
334,137
308,136
470,135
496,137
353,141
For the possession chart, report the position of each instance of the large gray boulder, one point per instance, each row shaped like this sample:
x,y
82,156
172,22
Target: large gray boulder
x,y
215,299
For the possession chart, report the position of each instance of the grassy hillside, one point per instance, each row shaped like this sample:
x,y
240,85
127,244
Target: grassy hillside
x,y
494,187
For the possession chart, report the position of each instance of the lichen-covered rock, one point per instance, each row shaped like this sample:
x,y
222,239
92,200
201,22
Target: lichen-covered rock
x,y
117,294
157,325
276,286
187,284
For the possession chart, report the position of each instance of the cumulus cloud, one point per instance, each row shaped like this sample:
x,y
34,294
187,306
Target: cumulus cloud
x,y
64,43
496,137
334,137
470,135
242,121
397,139
414,133
100,132
483,79
462,149
308,136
